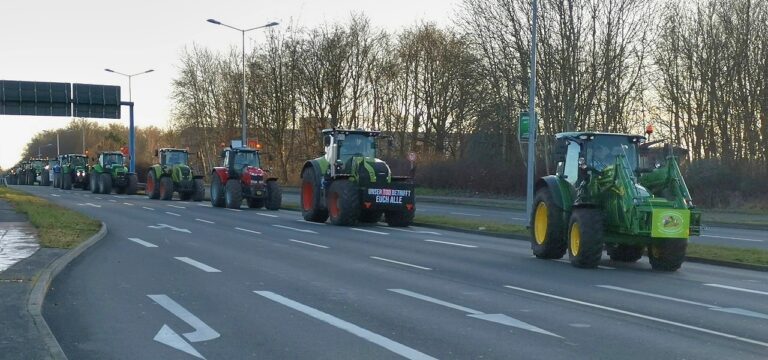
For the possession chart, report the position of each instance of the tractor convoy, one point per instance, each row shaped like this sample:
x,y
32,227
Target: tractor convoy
x,y
173,174
241,177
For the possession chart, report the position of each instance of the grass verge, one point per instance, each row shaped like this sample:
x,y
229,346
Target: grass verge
x,y
490,227
57,227
722,253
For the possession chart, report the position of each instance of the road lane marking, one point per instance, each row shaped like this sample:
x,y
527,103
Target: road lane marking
x,y
204,205
736,311
98,198
267,215
465,214
246,230
401,263
112,200
148,208
738,289
641,316
56,195
369,231
171,213
450,243
599,266
205,221
410,231
295,229
167,336
353,329
731,238
166,226
129,204
311,222
142,242
234,209
495,318
90,204
197,264
309,243
178,207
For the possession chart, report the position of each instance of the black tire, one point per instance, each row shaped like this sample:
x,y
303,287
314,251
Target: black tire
x,y
585,238
87,183
626,253
152,189
274,196
66,182
312,208
255,203
667,254
185,195
120,190
343,203
133,184
547,227
400,218
45,178
370,216
106,183
94,182
217,191
199,193
233,198
166,188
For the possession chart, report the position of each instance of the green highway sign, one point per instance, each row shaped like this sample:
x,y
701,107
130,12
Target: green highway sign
x,y
523,126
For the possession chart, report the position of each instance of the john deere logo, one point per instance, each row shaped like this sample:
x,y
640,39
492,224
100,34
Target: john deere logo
x,y
671,223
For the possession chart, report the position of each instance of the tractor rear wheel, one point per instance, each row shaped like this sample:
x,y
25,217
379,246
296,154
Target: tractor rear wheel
x,y
153,187
312,208
585,238
217,191
667,254
166,188
86,185
626,253
94,181
274,196
199,193
371,216
547,240
133,184
234,194
400,218
105,180
65,181
343,202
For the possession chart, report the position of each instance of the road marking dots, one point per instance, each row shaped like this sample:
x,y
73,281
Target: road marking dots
x,y
450,243
641,316
737,289
170,213
309,243
246,230
369,231
205,221
295,229
400,263
148,208
353,329
197,264
142,242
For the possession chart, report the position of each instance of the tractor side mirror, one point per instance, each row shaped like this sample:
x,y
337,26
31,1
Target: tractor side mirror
x,y
223,154
156,153
327,140
560,169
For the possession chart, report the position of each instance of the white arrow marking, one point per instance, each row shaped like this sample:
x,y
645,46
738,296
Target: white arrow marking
x,y
353,329
295,229
202,331
497,318
166,226
169,337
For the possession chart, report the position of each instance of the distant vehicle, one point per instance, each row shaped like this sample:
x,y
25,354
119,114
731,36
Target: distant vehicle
x,y
241,176
173,174
110,172
72,171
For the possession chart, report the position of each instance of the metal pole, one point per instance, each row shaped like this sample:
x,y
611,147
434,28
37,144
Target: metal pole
x,y
532,114
130,99
131,142
244,116
84,137
58,148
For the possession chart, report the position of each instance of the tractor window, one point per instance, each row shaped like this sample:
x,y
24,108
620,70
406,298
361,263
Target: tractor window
x,y
357,145
175,158
78,161
571,170
113,159
246,158
603,150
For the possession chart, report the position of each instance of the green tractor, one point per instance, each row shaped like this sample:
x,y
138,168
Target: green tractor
x,y
174,174
22,171
110,172
600,198
349,184
37,170
72,171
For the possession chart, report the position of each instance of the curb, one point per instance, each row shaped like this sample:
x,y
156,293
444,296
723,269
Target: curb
x,y
40,288
726,264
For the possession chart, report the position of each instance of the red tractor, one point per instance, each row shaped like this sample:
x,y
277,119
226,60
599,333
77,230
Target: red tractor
x,y
241,176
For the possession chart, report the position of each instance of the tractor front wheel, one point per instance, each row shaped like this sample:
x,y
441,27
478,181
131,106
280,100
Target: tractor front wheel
x,y
585,238
274,196
234,194
166,188
343,202
626,253
133,184
94,181
312,208
199,193
152,188
217,191
547,240
667,254
105,182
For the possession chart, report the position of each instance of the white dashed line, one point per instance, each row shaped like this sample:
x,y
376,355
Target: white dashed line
x,y
205,221
129,204
731,238
197,264
142,242
170,213
112,200
148,208
178,207
204,205
311,222
450,243
400,263
234,209
295,229
410,231
465,214
267,215
309,243
737,289
246,230
369,231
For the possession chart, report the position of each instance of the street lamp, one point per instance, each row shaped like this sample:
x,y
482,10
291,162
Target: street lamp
x,y
129,78
40,149
243,31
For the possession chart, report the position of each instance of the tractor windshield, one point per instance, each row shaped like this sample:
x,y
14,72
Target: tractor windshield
x,y
246,158
175,158
113,159
603,150
77,160
357,145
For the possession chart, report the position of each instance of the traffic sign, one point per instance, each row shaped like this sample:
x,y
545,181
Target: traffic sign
x,y
34,98
523,126
411,156
96,101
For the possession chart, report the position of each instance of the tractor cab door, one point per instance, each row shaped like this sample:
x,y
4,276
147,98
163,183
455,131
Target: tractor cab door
x,y
569,168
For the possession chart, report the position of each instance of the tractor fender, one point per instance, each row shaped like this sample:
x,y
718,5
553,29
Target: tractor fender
x,y
319,173
222,173
157,169
561,191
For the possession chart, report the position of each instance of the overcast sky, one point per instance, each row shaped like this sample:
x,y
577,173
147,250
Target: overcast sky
x,y
75,40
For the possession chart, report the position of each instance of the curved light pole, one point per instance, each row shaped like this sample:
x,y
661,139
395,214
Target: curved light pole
x,y
243,31
129,78
131,134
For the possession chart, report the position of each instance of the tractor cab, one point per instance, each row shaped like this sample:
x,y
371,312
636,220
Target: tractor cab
x,y
353,153
110,159
172,157
77,160
241,160
598,152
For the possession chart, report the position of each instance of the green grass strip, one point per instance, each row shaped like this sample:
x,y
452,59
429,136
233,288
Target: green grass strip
x,y
57,227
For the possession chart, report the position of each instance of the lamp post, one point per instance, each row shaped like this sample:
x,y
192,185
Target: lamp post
x,y
131,134
129,76
243,31
40,149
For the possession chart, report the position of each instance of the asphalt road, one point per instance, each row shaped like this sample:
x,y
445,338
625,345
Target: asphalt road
x,y
179,280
